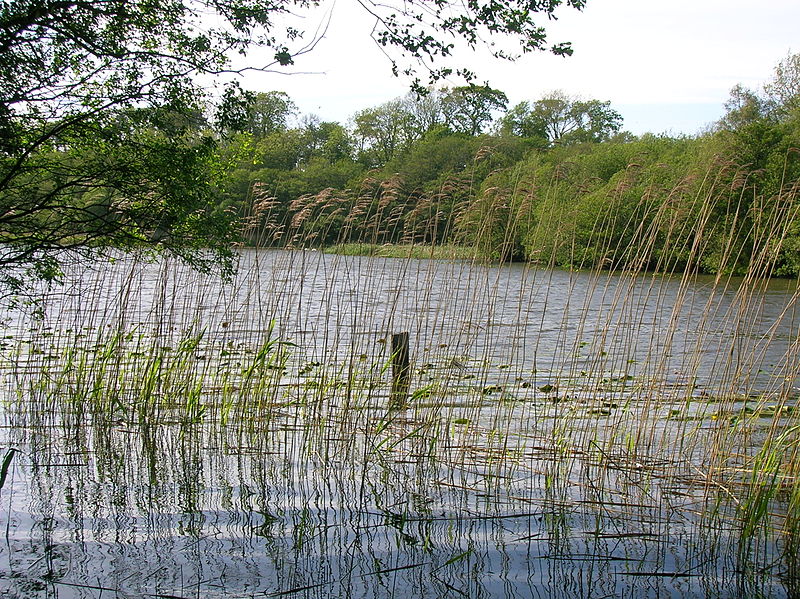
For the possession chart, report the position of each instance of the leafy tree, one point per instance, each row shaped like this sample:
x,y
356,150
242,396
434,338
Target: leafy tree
x,y
784,88
519,122
742,108
595,122
470,109
71,176
425,32
760,133
425,109
435,157
116,184
562,119
87,157
386,131
319,174
281,150
780,99
259,114
383,131
327,140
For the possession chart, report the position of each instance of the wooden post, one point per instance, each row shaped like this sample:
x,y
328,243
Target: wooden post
x,y
401,371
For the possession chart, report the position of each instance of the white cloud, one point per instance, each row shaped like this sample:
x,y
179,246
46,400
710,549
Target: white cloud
x,y
683,53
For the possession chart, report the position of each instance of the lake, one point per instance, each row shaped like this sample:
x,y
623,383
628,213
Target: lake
x,y
565,434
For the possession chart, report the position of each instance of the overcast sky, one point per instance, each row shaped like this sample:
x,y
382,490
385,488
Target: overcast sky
x,y
666,65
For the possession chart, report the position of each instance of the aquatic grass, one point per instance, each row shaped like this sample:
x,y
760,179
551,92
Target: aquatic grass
x,y
609,415
7,458
765,483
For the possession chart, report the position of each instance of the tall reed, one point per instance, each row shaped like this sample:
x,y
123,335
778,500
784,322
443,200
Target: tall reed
x,y
625,408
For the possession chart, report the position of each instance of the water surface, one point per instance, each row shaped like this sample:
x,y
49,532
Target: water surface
x,y
568,434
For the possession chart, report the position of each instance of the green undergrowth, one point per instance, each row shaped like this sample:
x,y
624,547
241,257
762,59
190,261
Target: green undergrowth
x,y
390,250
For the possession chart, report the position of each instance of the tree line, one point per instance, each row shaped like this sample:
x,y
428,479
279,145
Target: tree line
x,y
412,147
108,141
553,181
102,136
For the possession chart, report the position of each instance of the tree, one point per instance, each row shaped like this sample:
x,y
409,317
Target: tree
x,y
424,31
784,88
778,102
744,107
564,120
383,131
470,109
259,114
519,121
327,140
71,176
280,150
126,182
425,109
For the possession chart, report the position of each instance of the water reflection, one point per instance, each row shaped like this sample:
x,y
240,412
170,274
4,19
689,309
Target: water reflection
x,y
726,332
560,447
227,513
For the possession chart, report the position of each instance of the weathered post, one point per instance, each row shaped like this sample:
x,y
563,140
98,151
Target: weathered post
x,y
401,371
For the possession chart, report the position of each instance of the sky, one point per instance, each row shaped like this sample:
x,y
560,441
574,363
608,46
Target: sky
x,y
666,66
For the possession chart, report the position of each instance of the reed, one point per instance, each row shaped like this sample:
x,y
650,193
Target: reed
x,y
626,423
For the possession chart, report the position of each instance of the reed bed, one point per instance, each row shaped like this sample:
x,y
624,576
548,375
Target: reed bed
x,y
612,430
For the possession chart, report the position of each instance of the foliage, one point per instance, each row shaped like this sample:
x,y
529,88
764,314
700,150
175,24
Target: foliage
x,y
518,122
328,140
761,132
71,73
259,114
784,88
438,156
563,120
471,109
426,109
112,150
383,131
122,183
595,198
424,32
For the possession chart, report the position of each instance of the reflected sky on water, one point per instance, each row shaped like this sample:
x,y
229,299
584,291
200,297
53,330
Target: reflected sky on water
x,y
561,448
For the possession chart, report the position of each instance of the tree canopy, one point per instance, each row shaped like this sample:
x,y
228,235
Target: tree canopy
x,y
102,140
556,183
561,119
471,108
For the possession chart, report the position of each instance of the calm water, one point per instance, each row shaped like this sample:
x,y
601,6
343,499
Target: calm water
x,y
560,442
727,335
